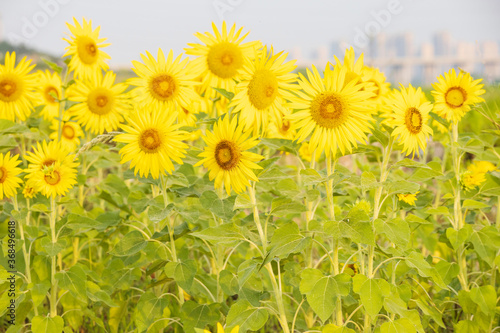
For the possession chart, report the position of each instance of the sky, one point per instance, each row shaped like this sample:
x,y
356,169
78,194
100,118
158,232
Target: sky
x,y
133,26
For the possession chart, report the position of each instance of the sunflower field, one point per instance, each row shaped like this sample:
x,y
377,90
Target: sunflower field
x,y
223,190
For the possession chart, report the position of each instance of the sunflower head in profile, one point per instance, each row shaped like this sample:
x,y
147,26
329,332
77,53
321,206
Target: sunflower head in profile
x,y
408,198
16,88
9,182
259,94
454,94
372,76
163,83
85,49
410,116
220,57
226,155
71,133
281,128
152,141
101,104
48,91
55,179
354,67
29,190
335,114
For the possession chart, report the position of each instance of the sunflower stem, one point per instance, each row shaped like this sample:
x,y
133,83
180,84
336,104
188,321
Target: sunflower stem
x,y
53,287
457,209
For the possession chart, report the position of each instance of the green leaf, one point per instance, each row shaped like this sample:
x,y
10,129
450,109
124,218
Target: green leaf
x,y
402,325
466,326
243,314
330,328
311,177
472,204
245,271
199,316
182,272
52,249
431,311
285,206
273,174
39,292
423,174
458,238
10,127
322,297
402,186
408,163
55,67
149,309
424,269
369,293
286,240
242,202
226,233
368,181
76,221
157,214
309,277
486,298
447,271
46,324
382,137
131,243
227,94
73,280
138,201
95,294
396,230
486,242
222,208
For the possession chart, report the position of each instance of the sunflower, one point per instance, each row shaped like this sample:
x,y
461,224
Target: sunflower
x,y
482,166
8,175
281,128
408,198
16,88
334,113
306,152
49,91
29,190
46,154
227,157
259,94
373,76
220,329
152,142
85,46
55,179
410,117
163,83
454,94
101,104
186,115
71,133
354,67
221,58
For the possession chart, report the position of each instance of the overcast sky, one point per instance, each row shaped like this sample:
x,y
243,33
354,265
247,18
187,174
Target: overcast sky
x,y
133,26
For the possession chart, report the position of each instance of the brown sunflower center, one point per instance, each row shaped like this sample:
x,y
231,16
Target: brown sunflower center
x,y
52,178
87,50
285,126
3,174
329,110
224,59
100,101
50,92
413,120
10,89
48,162
455,97
262,89
150,141
68,132
227,154
163,87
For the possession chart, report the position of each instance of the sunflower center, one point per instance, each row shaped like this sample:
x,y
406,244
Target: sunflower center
x,y
285,126
150,141
52,178
68,132
100,101
329,110
455,97
48,162
50,97
163,87
413,120
224,59
87,50
3,174
262,89
9,89
227,154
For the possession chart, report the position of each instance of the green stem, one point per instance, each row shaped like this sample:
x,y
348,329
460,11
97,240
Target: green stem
x,y
276,289
309,216
53,288
457,209
171,221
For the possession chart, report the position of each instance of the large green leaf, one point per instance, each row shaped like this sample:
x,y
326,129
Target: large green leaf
x,y
369,293
73,280
402,325
131,243
149,309
182,272
286,240
226,233
242,313
222,208
486,298
46,324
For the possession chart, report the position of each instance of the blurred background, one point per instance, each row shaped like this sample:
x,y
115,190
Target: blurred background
x,y
411,41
